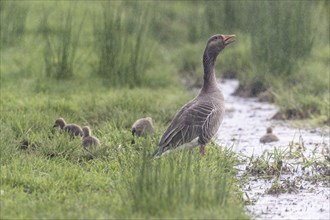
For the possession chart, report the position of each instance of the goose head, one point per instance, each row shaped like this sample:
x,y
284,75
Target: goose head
x,y
269,130
86,131
217,43
60,122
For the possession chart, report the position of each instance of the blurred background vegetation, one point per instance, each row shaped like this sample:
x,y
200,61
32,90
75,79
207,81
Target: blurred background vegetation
x,y
282,48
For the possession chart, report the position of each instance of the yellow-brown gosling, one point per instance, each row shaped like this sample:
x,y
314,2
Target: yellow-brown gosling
x,y
89,141
72,129
269,137
142,127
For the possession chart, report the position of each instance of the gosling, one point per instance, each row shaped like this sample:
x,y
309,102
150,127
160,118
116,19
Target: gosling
x,y
142,127
269,137
89,141
73,129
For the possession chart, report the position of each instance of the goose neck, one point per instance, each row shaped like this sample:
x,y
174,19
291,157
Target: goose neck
x,y
209,73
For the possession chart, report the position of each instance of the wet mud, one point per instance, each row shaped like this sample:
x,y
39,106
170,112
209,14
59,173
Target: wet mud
x,y
287,179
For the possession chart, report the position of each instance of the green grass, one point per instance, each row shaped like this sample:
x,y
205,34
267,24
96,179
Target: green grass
x,y
123,46
13,18
55,178
96,64
119,183
60,50
283,49
54,71
286,57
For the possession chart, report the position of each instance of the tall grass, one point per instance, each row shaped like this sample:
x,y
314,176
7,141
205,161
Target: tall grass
x,y
197,25
226,16
60,49
283,38
281,48
122,44
12,22
279,51
177,184
281,32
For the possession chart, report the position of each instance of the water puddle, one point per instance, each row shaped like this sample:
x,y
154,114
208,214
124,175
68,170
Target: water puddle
x,y
297,185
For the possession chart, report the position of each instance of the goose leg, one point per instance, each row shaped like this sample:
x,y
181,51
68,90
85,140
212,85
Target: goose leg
x,y
202,150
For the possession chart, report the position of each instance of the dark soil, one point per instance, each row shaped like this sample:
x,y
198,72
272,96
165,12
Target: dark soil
x,y
251,90
229,74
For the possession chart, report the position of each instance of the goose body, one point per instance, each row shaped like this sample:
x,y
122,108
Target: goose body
x,y
199,120
72,129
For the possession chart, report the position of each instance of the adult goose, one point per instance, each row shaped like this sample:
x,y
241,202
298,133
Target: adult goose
x,y
199,120
72,129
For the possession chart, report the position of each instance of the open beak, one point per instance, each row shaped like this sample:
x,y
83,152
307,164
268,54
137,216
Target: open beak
x,y
228,39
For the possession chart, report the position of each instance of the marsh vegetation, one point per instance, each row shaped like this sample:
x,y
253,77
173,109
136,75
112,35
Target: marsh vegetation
x,y
97,65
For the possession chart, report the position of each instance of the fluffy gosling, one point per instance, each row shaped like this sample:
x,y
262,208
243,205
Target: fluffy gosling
x,y
89,141
142,127
269,137
72,129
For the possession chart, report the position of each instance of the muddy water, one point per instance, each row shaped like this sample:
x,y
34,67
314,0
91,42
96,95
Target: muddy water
x,y
245,122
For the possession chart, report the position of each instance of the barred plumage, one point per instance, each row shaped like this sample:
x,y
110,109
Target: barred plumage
x,y
199,120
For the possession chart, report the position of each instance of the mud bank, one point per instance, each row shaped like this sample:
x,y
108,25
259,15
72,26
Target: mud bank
x,y
299,188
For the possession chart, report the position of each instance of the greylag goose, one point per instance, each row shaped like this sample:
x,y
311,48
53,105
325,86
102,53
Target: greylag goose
x,y
199,120
72,129
269,137
89,141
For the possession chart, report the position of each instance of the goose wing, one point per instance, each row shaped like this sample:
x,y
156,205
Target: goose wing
x,y
190,122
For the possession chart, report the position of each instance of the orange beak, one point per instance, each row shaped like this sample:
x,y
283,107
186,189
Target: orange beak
x,y
227,39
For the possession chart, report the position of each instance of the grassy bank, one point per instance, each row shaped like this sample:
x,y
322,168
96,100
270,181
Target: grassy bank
x,y
54,178
94,64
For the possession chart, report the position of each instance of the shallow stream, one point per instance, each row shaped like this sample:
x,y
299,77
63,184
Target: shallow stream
x,y
245,122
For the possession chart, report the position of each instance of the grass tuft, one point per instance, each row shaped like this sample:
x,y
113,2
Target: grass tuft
x,y
61,47
177,182
122,44
13,16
